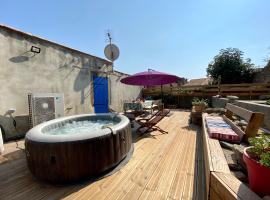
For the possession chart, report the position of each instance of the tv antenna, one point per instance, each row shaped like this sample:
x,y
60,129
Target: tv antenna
x,y
111,51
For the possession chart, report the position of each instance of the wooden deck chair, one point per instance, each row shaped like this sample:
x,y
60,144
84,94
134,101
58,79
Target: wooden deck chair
x,y
163,112
150,124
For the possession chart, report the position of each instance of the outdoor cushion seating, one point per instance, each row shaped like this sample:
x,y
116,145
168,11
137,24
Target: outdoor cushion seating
x,y
149,105
223,126
134,106
219,129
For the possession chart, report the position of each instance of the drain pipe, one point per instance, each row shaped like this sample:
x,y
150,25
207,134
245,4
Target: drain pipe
x,y
1,142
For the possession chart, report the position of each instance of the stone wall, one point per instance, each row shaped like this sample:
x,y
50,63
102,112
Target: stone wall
x,y
56,69
219,102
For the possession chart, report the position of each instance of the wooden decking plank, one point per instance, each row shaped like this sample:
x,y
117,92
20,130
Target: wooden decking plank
x,y
140,181
226,186
178,184
122,178
10,168
162,166
156,177
186,146
188,189
143,171
169,178
207,155
218,159
162,178
153,192
185,177
200,169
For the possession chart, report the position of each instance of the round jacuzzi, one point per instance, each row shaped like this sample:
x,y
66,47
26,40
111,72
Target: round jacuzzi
x,y
78,147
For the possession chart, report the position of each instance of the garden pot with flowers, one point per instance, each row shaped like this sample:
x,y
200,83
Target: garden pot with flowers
x,y
199,104
257,159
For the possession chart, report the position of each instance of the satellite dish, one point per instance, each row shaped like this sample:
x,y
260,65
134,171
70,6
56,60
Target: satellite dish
x,y
111,52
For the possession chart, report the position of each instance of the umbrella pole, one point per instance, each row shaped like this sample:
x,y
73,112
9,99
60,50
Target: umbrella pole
x,y
161,89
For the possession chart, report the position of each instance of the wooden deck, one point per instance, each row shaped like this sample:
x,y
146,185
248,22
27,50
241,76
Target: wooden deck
x,y
163,166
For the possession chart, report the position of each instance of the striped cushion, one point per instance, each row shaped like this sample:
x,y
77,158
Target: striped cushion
x,y
219,129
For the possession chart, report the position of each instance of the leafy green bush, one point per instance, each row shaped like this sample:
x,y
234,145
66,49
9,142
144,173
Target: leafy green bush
x,y
197,102
230,65
260,149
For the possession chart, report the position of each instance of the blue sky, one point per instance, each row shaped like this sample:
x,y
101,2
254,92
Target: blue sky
x,y
176,36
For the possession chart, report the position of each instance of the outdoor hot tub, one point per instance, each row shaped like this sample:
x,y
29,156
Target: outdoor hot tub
x,y
77,147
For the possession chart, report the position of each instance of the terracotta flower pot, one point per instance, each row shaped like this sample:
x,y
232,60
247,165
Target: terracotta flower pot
x,y
258,175
199,108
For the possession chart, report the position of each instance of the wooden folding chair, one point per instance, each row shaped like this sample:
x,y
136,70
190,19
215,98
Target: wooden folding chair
x,y
150,124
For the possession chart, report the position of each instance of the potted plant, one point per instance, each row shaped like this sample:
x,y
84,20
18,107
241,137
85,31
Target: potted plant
x,y
257,159
199,104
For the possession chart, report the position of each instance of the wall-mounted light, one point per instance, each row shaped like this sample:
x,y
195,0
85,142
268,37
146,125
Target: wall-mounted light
x,y
35,49
10,111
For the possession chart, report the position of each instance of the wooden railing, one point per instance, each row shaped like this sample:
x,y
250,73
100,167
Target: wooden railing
x,y
253,89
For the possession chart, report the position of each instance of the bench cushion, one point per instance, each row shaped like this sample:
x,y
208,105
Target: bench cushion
x,y
219,129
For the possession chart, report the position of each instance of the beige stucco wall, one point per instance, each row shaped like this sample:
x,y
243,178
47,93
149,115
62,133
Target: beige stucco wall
x,y
121,92
56,69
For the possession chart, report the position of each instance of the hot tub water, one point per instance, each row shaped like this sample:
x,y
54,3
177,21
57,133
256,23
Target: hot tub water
x,y
76,127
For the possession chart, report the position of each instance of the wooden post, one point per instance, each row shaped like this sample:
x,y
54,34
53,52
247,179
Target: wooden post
x,y
250,92
178,97
203,91
229,114
219,80
253,126
161,90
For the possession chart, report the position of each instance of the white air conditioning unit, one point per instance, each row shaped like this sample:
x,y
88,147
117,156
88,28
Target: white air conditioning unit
x,y
44,107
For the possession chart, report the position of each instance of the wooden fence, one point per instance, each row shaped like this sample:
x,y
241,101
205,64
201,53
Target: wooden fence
x,y
249,90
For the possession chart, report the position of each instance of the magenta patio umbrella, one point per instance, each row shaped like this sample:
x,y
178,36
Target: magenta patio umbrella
x,y
150,78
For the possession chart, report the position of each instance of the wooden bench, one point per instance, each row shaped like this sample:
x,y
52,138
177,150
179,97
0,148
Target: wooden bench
x,y
220,183
253,119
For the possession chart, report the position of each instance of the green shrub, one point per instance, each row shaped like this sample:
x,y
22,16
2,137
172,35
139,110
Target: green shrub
x,y
260,149
231,67
197,102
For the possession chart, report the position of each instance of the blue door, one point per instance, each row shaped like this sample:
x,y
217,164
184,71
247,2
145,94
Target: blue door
x,y
101,103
